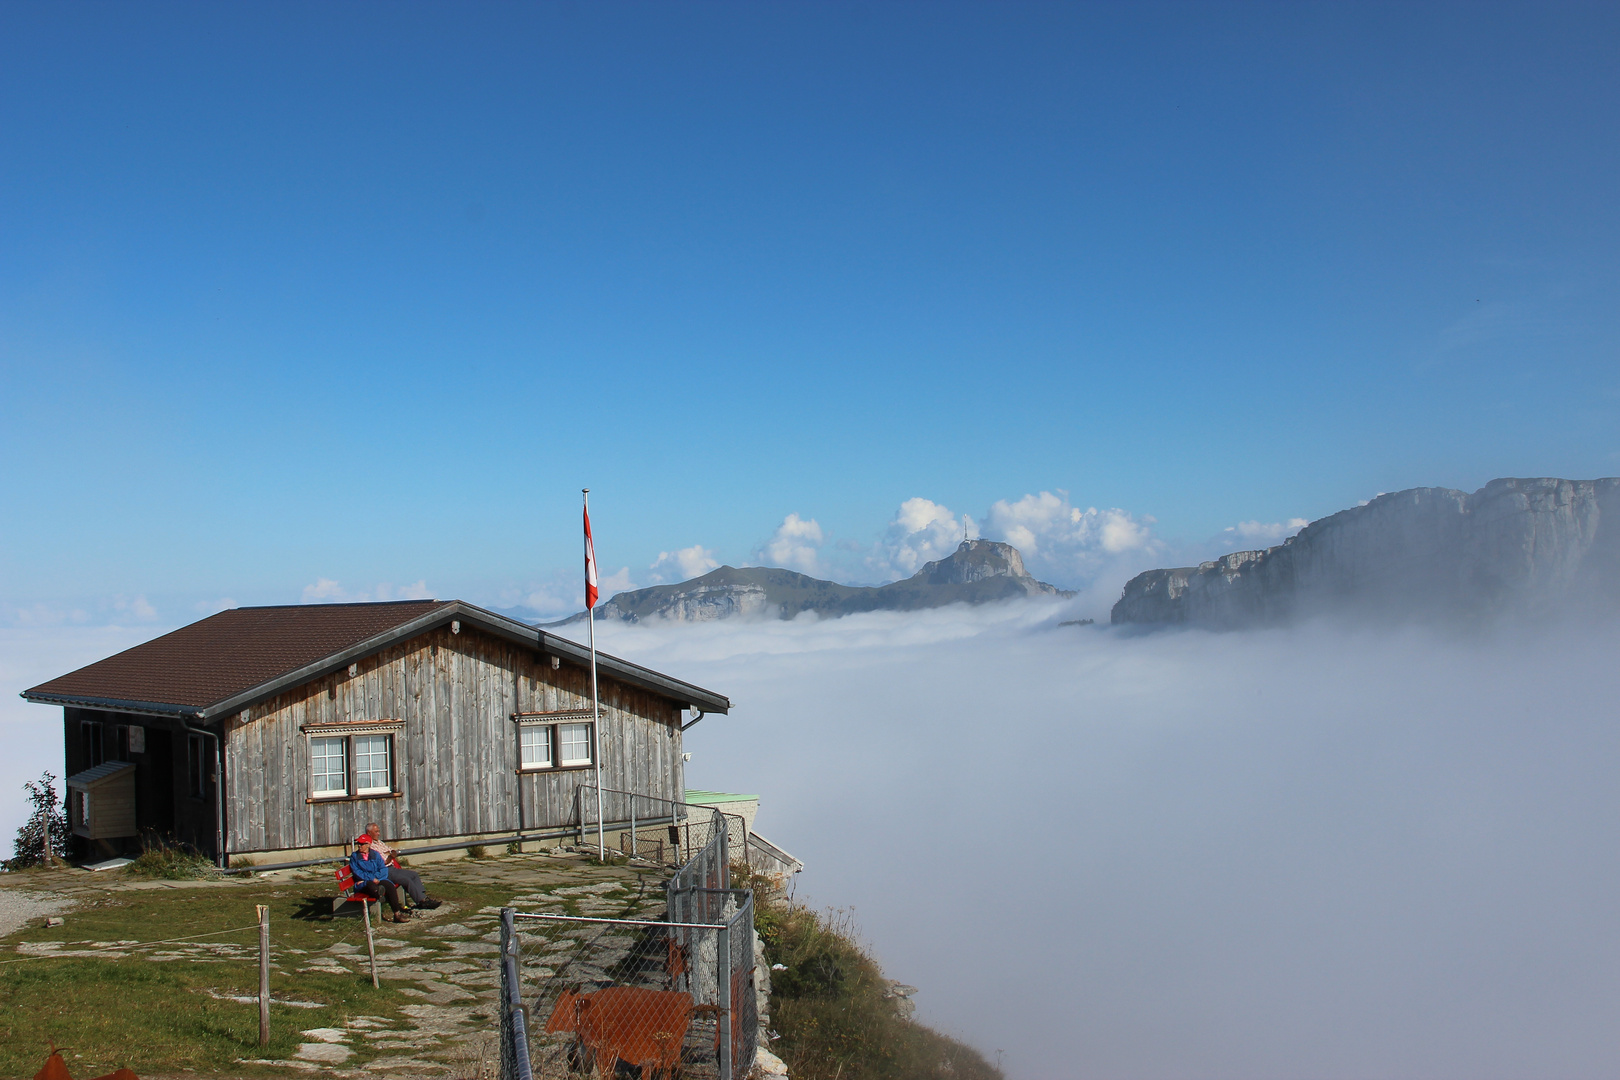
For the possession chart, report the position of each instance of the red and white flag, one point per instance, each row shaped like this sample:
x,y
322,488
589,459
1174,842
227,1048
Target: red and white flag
x,y
590,563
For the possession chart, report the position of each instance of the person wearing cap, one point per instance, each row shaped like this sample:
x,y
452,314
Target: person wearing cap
x,y
371,876
409,880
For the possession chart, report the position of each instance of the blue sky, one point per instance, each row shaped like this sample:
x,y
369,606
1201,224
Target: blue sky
x,y
364,294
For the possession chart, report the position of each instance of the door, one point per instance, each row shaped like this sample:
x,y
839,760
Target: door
x,y
155,769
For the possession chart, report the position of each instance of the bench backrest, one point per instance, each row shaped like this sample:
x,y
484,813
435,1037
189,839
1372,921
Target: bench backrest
x,y
345,879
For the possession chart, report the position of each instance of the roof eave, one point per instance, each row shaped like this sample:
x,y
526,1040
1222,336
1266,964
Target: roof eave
x,y
517,632
147,708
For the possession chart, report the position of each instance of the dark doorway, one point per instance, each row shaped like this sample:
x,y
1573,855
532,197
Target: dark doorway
x,y
155,790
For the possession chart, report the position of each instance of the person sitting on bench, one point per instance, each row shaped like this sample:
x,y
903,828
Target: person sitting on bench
x,y
410,880
371,876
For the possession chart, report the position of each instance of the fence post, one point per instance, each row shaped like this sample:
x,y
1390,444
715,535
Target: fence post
x,y
371,942
264,974
725,850
632,825
722,978
508,1054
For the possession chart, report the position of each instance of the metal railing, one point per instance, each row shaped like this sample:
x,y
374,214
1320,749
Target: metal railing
x,y
659,830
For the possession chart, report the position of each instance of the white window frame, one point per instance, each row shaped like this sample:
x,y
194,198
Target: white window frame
x,y
563,742
532,733
387,787
325,742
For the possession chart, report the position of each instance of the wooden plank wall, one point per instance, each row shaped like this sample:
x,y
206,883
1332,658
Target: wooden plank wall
x,y
456,761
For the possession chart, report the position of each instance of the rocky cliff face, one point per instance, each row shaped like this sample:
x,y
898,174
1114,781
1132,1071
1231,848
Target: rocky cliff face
x,y
1427,552
977,572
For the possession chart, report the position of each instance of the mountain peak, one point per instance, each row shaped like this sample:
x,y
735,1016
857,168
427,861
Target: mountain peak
x,y
977,572
974,560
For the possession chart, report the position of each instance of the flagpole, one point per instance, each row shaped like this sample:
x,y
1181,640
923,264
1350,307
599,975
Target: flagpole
x,y
596,706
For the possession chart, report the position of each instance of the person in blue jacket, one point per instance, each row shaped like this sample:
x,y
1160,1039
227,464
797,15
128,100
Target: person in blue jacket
x,y
371,876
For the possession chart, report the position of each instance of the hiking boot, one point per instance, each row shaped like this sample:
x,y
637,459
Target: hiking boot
x,y
429,904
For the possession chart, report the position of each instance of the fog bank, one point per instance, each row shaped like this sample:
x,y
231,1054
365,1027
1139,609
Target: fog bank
x,y
1316,852
1305,853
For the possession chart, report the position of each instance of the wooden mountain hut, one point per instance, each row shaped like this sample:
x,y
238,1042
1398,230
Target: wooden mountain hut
x,y
279,732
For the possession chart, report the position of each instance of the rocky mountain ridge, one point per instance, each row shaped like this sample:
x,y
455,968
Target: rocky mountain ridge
x,y
1542,544
977,572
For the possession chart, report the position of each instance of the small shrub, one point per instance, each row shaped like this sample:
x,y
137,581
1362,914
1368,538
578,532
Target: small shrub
x,y
45,834
161,860
243,862
514,848
478,851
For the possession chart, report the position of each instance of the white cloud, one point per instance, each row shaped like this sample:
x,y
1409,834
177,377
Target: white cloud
x,y
137,608
682,565
328,591
922,531
796,545
1067,542
1267,533
616,582
49,615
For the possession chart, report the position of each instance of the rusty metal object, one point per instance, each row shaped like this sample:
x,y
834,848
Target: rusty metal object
x,y
642,1028
56,1069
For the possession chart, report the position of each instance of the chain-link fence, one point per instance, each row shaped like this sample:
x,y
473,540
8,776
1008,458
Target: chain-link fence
x,y
636,997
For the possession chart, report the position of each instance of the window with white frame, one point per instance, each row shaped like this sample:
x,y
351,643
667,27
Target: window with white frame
x,y
574,744
555,740
535,745
352,760
373,765
329,773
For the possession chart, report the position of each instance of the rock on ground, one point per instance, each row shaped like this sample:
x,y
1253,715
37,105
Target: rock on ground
x,y
18,907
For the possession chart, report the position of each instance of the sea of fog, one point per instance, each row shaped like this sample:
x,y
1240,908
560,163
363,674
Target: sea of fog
x,y
1278,854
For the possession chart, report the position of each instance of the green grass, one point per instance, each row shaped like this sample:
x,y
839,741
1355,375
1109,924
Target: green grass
x,y
829,1006
170,863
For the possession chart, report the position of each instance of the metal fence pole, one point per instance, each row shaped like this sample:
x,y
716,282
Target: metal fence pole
x,y
722,978
508,1071
514,1019
632,826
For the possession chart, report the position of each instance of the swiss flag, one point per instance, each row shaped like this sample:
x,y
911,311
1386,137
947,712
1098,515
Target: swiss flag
x,y
590,563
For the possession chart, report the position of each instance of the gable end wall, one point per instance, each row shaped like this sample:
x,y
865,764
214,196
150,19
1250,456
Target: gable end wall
x,y
456,760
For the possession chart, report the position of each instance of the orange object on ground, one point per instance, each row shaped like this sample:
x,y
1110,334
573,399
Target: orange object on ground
x,y
55,1068
642,1028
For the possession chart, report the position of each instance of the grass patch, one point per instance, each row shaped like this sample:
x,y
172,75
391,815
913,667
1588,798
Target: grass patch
x,y
830,1008
170,863
158,1017
478,851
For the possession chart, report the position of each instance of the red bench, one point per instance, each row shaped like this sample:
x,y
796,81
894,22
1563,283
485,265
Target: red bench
x,y
347,895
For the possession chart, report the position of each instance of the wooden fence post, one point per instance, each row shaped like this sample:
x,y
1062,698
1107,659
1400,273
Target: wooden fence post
x,y
264,974
371,943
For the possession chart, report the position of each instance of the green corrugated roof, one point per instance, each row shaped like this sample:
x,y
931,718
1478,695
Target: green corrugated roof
x,y
704,798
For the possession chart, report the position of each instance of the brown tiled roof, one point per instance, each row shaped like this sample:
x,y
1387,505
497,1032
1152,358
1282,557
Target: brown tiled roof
x,y
230,653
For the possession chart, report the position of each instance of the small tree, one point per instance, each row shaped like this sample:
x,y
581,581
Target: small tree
x,y
45,834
